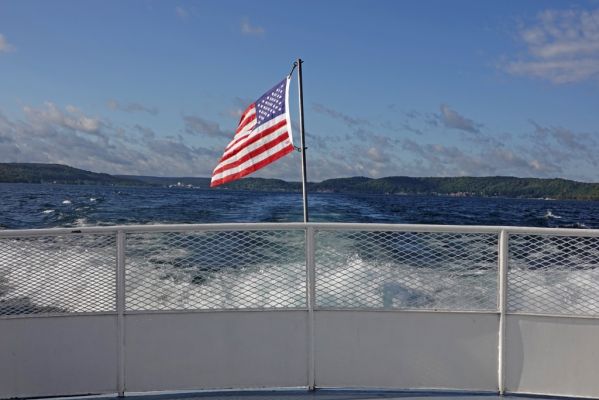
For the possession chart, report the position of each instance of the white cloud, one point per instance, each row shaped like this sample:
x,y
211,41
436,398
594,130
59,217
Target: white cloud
x,y
195,125
113,104
72,109
378,155
181,12
131,107
562,47
248,29
564,145
350,121
442,160
452,119
57,134
5,47
52,134
73,118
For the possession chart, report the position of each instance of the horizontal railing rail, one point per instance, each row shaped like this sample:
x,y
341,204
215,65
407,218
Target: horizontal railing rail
x,y
299,225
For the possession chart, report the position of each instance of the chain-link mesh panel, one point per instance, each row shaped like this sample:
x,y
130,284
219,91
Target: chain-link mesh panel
x,y
57,274
553,274
216,270
406,270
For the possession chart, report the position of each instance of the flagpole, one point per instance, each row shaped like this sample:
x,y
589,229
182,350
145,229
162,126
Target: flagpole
x,y
302,136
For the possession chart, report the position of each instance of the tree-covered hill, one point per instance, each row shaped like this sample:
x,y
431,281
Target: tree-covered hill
x,y
56,173
504,186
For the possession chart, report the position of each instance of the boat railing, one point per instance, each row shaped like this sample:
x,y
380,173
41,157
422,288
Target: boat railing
x,y
139,308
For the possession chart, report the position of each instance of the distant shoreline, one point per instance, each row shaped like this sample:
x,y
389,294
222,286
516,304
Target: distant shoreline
x,y
495,186
325,192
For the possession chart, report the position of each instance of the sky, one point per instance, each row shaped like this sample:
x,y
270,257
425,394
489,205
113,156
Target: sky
x,y
416,88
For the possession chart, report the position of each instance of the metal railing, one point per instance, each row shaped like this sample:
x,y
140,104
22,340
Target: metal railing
x,y
310,267
274,266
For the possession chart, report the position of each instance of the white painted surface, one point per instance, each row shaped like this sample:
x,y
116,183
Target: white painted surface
x,y
406,350
180,351
53,356
299,225
552,355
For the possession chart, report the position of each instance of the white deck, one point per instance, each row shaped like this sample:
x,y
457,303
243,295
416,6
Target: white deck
x,y
321,394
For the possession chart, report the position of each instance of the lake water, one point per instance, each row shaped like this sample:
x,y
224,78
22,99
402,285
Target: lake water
x,y
42,206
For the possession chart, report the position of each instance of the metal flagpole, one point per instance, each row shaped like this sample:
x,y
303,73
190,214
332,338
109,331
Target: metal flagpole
x,y
302,136
310,268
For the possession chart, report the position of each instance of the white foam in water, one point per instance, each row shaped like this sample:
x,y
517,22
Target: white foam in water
x,y
549,214
91,199
365,284
66,202
83,282
47,211
262,286
79,282
81,222
554,291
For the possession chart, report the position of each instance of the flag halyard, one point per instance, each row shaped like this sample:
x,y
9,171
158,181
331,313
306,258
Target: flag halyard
x,y
262,137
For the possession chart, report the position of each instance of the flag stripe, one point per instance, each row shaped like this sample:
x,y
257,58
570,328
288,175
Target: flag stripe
x,y
251,108
247,120
240,136
273,157
230,161
251,162
243,131
257,135
237,140
249,153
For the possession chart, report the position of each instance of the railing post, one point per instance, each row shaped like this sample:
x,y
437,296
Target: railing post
x,y
120,309
503,251
311,297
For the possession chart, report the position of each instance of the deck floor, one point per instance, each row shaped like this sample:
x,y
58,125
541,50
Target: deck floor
x,y
329,394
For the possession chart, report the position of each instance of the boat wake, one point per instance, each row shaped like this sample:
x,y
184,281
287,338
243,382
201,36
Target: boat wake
x,y
78,275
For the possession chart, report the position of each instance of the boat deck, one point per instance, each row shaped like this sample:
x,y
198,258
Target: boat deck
x,y
324,394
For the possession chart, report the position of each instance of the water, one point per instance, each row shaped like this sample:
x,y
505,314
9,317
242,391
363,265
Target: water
x,y
25,206
221,270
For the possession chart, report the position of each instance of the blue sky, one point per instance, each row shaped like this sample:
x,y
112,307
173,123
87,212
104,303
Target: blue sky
x,y
419,88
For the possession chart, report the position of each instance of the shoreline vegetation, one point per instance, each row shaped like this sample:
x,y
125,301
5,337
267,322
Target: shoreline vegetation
x,y
494,186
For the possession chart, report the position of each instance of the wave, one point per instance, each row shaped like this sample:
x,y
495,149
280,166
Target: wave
x,y
61,274
81,222
549,214
55,274
559,291
359,283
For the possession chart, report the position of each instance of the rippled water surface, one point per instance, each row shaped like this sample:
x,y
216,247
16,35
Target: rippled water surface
x,y
41,206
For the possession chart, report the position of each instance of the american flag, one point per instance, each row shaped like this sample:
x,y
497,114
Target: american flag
x,y
262,137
